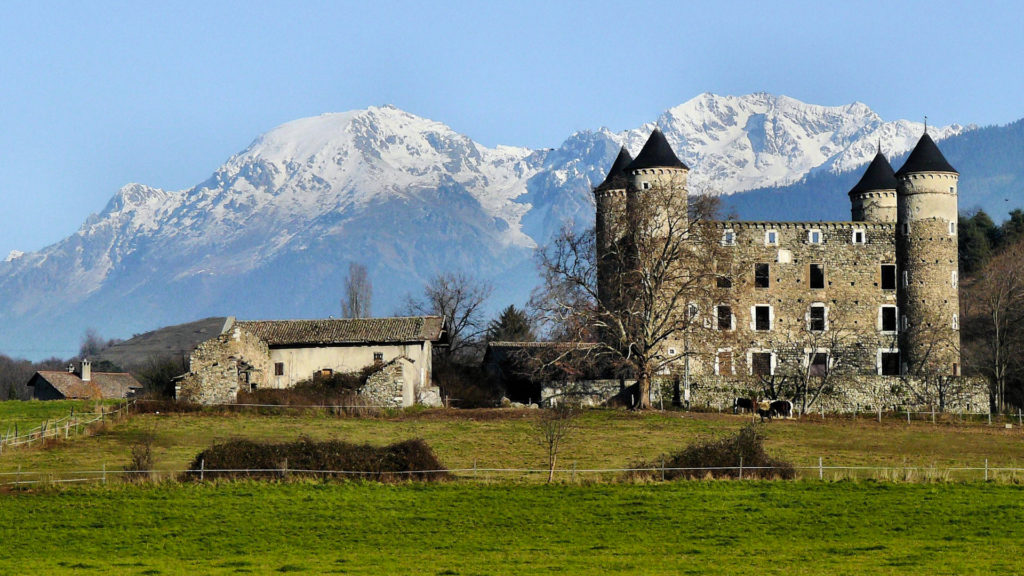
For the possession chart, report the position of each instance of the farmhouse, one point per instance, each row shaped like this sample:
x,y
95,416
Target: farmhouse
x,y
251,355
867,309
82,384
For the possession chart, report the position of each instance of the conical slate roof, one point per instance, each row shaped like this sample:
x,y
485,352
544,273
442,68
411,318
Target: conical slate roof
x,y
878,176
656,153
616,177
926,158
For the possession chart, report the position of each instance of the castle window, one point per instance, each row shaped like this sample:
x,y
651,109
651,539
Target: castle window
x,y
816,319
905,229
956,321
761,363
859,237
954,279
724,282
952,228
729,237
762,318
278,368
887,318
761,276
771,238
888,276
889,362
645,185
816,276
691,311
723,362
906,279
378,357
724,317
817,364
814,236
904,323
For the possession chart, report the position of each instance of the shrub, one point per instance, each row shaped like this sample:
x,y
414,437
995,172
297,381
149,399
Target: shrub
x,y
408,460
140,465
721,459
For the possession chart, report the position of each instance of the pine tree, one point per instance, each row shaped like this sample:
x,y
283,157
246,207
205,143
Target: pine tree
x,y
512,325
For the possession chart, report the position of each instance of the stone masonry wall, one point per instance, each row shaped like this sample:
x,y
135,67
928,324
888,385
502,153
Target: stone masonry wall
x,y
851,296
214,367
848,394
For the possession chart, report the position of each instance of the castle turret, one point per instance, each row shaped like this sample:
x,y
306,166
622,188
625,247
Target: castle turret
x,y
657,165
873,199
610,196
926,253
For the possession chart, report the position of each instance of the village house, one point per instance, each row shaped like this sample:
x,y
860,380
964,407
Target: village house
x,y
252,355
82,384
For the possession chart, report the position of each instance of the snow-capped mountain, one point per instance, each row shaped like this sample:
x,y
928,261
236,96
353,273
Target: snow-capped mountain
x,y
270,234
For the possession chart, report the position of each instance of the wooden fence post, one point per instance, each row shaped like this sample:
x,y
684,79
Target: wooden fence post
x,y
821,470
741,467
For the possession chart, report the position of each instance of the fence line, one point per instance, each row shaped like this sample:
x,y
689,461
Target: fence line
x,y
61,427
986,472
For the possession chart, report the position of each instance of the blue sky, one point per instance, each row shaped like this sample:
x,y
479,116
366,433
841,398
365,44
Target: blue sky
x,y
94,95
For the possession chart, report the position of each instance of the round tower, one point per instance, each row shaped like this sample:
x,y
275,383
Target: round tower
x,y
657,170
873,199
926,256
610,197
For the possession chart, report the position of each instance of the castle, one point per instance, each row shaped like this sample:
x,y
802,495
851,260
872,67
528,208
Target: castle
x,y
869,306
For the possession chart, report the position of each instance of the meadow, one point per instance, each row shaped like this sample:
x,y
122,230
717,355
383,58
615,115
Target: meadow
x,y
490,522
603,439
718,527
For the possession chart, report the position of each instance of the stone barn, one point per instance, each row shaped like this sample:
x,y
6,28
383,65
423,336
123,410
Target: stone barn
x,y
251,355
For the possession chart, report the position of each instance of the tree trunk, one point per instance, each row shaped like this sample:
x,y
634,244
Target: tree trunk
x,y
643,391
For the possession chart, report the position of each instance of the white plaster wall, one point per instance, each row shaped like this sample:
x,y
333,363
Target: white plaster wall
x,y
301,363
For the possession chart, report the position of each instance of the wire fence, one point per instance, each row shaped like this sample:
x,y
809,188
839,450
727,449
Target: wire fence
x,y
816,472
66,427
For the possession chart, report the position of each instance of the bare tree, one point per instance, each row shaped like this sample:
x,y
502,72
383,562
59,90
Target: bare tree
x,y
993,310
358,293
554,426
822,347
662,263
460,300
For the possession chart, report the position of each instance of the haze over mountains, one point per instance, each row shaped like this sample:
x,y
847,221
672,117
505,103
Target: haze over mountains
x,y
270,233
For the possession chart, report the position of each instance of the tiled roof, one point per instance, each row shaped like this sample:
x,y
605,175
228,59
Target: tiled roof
x,y
101,384
347,330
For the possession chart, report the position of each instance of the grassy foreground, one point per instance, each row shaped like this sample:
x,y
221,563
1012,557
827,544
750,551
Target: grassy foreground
x,y
677,528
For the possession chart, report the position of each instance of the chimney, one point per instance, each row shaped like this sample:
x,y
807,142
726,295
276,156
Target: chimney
x,y
86,370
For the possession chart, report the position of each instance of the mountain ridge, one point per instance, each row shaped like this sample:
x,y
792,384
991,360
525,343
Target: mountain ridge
x,y
405,195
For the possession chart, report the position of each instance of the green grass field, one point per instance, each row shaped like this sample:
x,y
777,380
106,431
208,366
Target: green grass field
x,y
29,415
459,528
491,523
507,439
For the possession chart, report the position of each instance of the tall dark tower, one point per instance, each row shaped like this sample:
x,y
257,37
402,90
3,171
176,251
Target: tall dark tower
x,y
926,256
610,197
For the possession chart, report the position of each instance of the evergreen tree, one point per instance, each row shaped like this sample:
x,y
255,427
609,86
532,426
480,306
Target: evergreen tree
x,y
977,237
512,325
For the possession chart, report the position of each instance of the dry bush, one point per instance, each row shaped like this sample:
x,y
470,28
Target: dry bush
x,y
408,460
720,459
